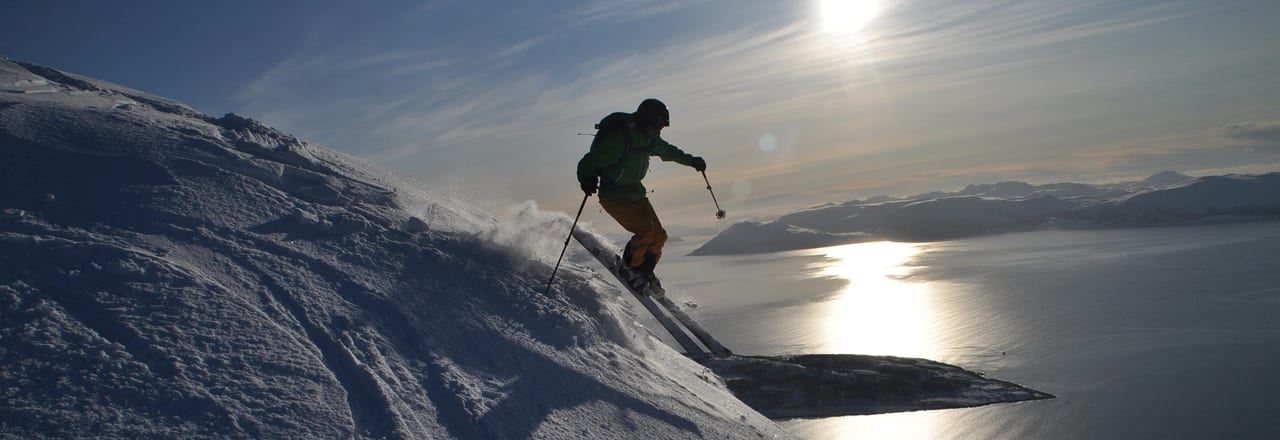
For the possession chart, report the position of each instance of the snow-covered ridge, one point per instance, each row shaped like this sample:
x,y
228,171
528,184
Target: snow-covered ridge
x,y
164,273
1165,198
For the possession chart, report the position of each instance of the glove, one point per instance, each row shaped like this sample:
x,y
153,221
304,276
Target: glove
x,y
699,164
590,185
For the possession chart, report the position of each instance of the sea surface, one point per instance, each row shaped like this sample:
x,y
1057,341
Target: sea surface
x,y
1151,333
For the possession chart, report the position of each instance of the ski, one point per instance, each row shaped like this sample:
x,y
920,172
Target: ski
x,y
698,332
613,264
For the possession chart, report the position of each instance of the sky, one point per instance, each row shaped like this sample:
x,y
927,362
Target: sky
x,y
792,103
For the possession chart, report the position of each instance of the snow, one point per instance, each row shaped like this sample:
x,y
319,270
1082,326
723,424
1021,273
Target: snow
x,y
164,273
1166,198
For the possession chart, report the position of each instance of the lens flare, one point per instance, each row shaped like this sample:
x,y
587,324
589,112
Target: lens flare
x,y
768,142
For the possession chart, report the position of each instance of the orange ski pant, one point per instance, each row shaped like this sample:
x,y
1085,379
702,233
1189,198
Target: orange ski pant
x,y
638,218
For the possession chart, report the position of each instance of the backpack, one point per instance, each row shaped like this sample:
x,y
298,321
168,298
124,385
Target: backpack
x,y
614,121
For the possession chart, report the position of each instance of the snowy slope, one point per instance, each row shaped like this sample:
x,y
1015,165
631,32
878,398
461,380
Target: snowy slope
x,y
164,273
1163,199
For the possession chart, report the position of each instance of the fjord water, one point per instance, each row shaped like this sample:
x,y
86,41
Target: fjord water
x,y
1141,333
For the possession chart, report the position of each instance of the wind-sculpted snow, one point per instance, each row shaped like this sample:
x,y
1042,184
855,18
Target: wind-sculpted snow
x,y
168,274
1166,198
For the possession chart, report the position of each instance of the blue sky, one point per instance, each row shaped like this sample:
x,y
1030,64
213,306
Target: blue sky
x,y
792,103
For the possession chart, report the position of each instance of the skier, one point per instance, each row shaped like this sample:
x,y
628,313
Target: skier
x,y
616,165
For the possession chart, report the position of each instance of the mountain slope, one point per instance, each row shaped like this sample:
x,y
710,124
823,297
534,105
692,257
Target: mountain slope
x,y
166,273
1165,198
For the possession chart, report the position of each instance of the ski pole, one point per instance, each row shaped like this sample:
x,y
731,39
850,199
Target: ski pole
x,y
720,214
566,244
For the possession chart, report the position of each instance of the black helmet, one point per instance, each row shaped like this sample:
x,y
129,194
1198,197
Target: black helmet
x,y
652,112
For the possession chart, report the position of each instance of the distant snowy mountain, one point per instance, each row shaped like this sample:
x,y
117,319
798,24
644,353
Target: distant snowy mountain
x,y
763,237
164,273
1162,199
1158,180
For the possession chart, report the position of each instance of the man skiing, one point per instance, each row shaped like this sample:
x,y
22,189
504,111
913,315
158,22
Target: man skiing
x,y
616,165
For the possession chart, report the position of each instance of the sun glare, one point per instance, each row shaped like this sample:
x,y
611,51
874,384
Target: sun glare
x,y
847,16
878,312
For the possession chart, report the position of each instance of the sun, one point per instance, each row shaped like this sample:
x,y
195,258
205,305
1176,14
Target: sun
x,y
847,16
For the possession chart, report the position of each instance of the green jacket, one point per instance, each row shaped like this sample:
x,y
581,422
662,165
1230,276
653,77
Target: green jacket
x,y
620,157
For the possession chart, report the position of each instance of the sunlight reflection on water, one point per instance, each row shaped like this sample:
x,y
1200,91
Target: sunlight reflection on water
x,y
908,425
878,312
1085,315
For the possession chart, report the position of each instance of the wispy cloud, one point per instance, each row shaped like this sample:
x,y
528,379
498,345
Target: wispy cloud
x,y
617,11
968,42
1260,131
935,90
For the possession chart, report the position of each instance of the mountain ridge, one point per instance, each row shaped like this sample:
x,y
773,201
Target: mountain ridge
x,y
1165,198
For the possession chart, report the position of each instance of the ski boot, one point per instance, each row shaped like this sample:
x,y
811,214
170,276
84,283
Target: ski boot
x,y
642,277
